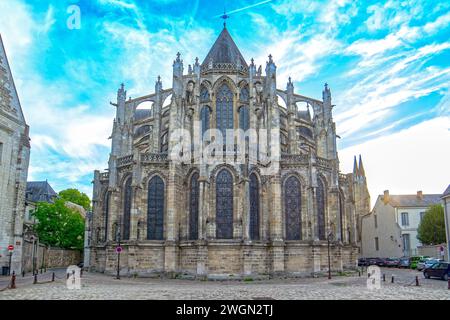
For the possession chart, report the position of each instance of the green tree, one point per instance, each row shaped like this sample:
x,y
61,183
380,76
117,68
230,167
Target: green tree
x,y
432,227
58,225
77,197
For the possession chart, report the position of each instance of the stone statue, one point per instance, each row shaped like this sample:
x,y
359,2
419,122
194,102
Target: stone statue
x,y
190,93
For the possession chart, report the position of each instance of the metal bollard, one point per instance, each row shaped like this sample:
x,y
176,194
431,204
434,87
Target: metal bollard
x,y
384,277
35,278
23,273
417,281
359,273
53,277
392,279
81,272
448,283
13,280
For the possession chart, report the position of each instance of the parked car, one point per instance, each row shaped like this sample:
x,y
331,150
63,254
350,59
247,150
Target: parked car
x,y
426,263
375,262
415,260
391,262
438,270
404,262
362,262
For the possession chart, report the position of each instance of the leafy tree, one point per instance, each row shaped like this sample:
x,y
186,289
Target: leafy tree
x,y
77,197
58,225
432,227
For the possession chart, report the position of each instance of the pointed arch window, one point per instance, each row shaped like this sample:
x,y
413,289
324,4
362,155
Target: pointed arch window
x,y
155,209
204,117
254,207
341,214
321,209
244,118
224,106
224,205
292,207
204,94
106,214
127,198
244,95
193,207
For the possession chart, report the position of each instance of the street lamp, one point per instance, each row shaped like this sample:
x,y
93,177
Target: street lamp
x,y
329,239
118,250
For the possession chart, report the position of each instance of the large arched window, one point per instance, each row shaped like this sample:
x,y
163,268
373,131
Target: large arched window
x,y
224,106
193,207
127,198
292,207
321,209
204,94
106,214
224,205
254,207
155,209
204,117
244,95
341,215
244,118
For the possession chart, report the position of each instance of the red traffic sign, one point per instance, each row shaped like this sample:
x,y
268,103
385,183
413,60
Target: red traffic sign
x,y
10,247
118,249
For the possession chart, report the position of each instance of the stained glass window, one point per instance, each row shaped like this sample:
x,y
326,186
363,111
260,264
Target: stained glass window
x,y
292,205
244,119
106,214
224,106
254,207
321,209
204,94
127,210
155,209
224,205
205,115
244,94
341,215
193,206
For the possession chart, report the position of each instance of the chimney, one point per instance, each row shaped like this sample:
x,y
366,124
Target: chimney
x,y
386,197
420,195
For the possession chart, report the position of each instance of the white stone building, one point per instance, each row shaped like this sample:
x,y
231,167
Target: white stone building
x,y
446,201
390,229
14,159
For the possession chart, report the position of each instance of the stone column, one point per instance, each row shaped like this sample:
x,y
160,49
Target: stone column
x,y
171,224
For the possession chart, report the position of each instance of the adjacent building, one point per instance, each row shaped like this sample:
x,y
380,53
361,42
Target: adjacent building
x,y
446,202
265,207
14,160
390,229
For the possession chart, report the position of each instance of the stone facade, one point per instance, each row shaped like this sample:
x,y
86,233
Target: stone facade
x,y
260,216
14,160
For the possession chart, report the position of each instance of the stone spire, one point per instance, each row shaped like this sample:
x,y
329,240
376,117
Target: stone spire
x,y
158,85
362,173
355,168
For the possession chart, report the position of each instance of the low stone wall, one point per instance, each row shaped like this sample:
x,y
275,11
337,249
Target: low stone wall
x,y
226,258
432,251
47,257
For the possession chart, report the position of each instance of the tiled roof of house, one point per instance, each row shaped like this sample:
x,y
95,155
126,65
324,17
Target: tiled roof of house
x,y
446,192
413,200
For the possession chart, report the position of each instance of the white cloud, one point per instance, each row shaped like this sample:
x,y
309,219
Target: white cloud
x,y
413,159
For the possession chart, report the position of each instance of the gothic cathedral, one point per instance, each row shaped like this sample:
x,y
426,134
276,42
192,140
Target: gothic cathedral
x,y
268,214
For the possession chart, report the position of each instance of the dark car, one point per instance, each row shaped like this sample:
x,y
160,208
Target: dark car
x,y
391,262
375,262
438,270
362,262
404,262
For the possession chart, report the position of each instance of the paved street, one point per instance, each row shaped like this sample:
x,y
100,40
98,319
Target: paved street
x,y
99,286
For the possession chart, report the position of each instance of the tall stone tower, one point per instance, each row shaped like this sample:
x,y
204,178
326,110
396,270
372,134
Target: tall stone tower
x,y
14,159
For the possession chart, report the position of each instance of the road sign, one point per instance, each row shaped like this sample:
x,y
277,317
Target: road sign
x,y
118,249
10,247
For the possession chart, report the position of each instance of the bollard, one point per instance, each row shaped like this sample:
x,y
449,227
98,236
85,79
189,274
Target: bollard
x,y
13,280
53,277
368,275
392,279
448,283
417,281
359,273
384,277
81,272
35,278
23,273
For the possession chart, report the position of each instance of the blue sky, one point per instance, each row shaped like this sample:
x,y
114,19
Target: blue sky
x,y
387,63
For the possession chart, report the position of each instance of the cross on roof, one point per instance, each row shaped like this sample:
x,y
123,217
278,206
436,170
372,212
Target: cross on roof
x,y
225,17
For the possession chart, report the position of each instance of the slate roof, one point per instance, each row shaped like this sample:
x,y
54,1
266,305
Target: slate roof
x,y
38,191
446,192
224,50
412,200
